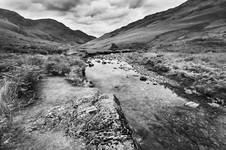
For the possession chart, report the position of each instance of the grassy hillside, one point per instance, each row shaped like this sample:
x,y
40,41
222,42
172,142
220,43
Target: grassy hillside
x,y
25,35
195,26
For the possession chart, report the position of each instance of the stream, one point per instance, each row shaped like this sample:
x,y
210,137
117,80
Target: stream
x,y
159,118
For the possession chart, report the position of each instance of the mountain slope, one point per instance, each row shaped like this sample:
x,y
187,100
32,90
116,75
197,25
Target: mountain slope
x,y
17,31
195,26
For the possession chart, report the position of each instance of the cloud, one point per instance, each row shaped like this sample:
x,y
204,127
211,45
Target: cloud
x,y
94,17
21,6
136,3
112,14
58,5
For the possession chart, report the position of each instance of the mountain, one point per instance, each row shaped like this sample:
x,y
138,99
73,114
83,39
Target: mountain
x,y
21,33
194,26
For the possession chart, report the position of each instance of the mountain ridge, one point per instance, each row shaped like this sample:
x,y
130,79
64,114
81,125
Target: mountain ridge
x,y
15,30
198,20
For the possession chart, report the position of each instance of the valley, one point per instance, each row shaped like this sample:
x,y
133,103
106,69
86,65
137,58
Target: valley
x,y
158,83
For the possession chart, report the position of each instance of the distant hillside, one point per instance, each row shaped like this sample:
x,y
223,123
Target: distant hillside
x,y
195,26
21,33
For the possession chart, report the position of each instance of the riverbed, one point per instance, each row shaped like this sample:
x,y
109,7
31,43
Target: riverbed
x,y
157,115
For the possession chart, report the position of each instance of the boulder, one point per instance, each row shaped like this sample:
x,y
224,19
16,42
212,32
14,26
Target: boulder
x,y
102,124
93,122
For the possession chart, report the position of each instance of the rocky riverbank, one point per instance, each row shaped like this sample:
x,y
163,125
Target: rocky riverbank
x,y
198,77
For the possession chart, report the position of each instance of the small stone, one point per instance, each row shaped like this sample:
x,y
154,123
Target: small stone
x,y
143,78
91,64
192,104
91,84
91,110
215,105
98,61
136,75
187,91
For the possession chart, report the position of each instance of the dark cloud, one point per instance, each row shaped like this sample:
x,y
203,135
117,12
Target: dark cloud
x,y
58,5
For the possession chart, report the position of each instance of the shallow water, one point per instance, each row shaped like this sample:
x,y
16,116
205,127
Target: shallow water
x,y
156,114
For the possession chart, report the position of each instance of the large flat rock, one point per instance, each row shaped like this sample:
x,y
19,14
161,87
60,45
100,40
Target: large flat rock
x,y
92,122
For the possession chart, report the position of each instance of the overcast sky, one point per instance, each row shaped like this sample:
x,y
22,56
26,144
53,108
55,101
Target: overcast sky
x,y
94,17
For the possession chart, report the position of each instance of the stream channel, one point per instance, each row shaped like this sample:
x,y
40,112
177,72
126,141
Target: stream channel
x,y
159,118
